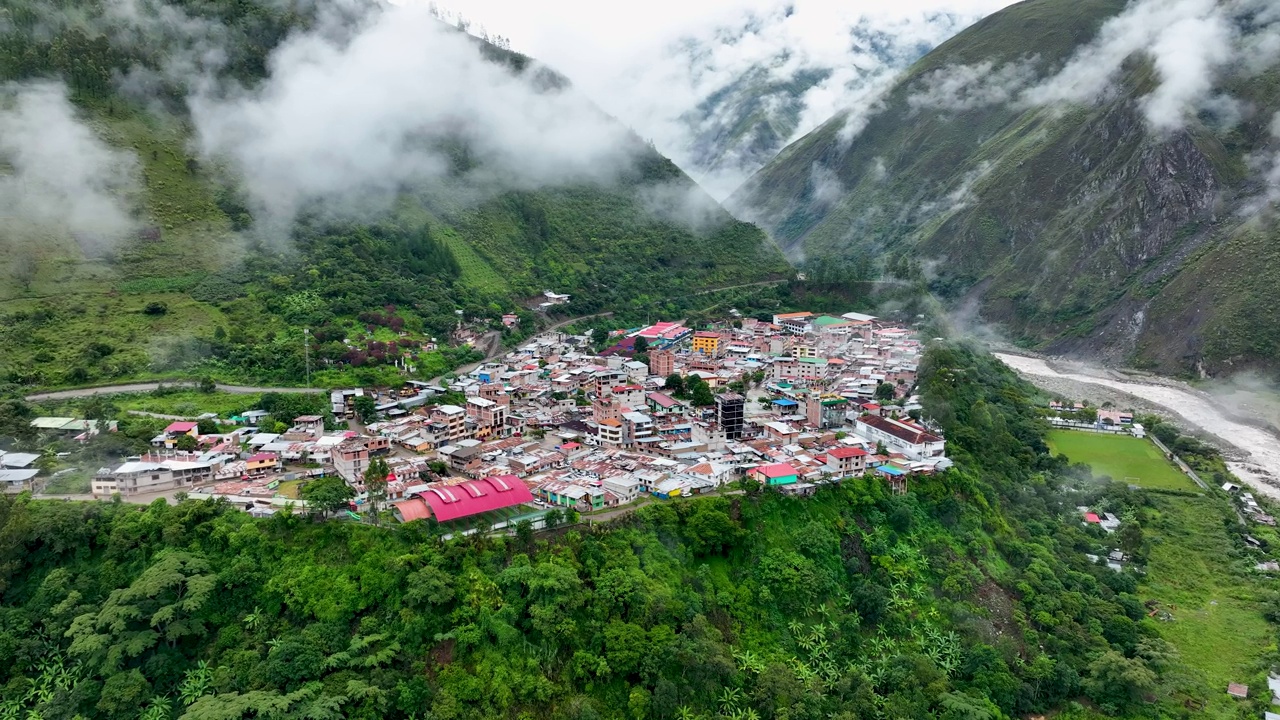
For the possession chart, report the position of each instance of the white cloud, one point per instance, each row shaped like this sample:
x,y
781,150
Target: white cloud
x,y
965,87
654,66
60,176
1191,42
352,121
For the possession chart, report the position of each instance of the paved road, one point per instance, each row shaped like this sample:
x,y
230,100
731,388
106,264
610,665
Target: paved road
x,y
148,387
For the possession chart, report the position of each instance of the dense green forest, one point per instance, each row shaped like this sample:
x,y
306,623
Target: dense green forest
x,y
203,288
968,598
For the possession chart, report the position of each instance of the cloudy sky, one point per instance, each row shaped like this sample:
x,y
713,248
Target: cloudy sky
x,y
636,61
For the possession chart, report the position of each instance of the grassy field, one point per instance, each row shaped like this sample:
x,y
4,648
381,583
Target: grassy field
x,y
190,403
1123,457
1218,626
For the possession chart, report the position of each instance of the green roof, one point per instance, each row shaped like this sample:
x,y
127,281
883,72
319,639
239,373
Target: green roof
x,y
828,320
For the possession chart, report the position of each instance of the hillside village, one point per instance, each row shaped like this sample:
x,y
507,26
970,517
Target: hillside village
x,y
661,411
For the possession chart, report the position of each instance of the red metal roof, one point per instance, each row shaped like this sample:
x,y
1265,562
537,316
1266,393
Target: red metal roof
x,y
846,452
776,470
181,427
450,502
1092,517
413,509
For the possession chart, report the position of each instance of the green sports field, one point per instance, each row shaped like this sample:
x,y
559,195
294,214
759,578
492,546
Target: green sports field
x,y
1123,457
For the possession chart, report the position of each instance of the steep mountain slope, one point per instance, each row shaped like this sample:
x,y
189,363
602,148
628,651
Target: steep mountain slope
x,y
246,211
1085,223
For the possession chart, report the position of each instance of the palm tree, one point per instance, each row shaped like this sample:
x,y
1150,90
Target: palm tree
x,y
157,709
684,712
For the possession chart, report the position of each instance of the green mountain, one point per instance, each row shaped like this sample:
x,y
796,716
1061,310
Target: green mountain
x,y
200,282
1076,228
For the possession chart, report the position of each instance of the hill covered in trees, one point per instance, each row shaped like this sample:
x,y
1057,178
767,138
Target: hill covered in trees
x,y
189,185
970,597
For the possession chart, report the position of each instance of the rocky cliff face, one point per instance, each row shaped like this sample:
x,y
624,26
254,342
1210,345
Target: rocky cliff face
x,y
1076,228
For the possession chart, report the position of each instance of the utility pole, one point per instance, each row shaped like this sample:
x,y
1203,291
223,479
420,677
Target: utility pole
x,y
306,351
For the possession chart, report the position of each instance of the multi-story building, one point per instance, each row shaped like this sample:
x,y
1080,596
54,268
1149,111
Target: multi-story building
x,y
846,461
454,419
350,458
662,363
731,414
611,432
636,426
605,408
488,414
706,343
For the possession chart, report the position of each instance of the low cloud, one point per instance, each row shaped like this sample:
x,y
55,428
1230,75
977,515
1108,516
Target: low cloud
x,y
1266,167
1191,44
957,88
56,175
351,117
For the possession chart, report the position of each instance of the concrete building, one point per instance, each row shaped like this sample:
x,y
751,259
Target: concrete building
x,y
454,419
731,414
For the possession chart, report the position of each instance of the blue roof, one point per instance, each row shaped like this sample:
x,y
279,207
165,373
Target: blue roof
x,y
785,402
891,470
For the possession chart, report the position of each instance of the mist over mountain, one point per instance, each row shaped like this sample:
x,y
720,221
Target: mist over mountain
x,y
1093,177
236,172
721,87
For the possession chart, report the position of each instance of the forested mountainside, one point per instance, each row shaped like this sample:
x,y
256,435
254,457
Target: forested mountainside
x,y
188,185
1058,168
970,597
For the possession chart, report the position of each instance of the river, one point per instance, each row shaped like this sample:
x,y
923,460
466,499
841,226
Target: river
x,y
1259,466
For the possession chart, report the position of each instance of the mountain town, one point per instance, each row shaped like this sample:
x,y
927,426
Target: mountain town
x,y
799,401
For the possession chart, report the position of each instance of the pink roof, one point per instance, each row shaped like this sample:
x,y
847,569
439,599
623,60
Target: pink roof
x,y
413,509
1092,517
663,399
181,427
570,446
776,470
846,452
262,457
450,502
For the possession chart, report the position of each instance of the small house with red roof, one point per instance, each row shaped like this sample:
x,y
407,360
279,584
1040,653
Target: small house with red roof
x,y
847,461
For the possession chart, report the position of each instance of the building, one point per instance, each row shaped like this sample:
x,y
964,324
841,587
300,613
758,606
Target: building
x,y
454,420
706,343
15,481
487,413
611,432
605,408
636,428
910,440
466,500
662,363
350,458
261,463
775,474
847,461
731,414
149,474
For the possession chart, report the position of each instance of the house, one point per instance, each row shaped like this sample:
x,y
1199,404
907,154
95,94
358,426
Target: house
x,y
611,432
176,430
261,463
15,481
1238,691
774,474
847,461
350,458
148,474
